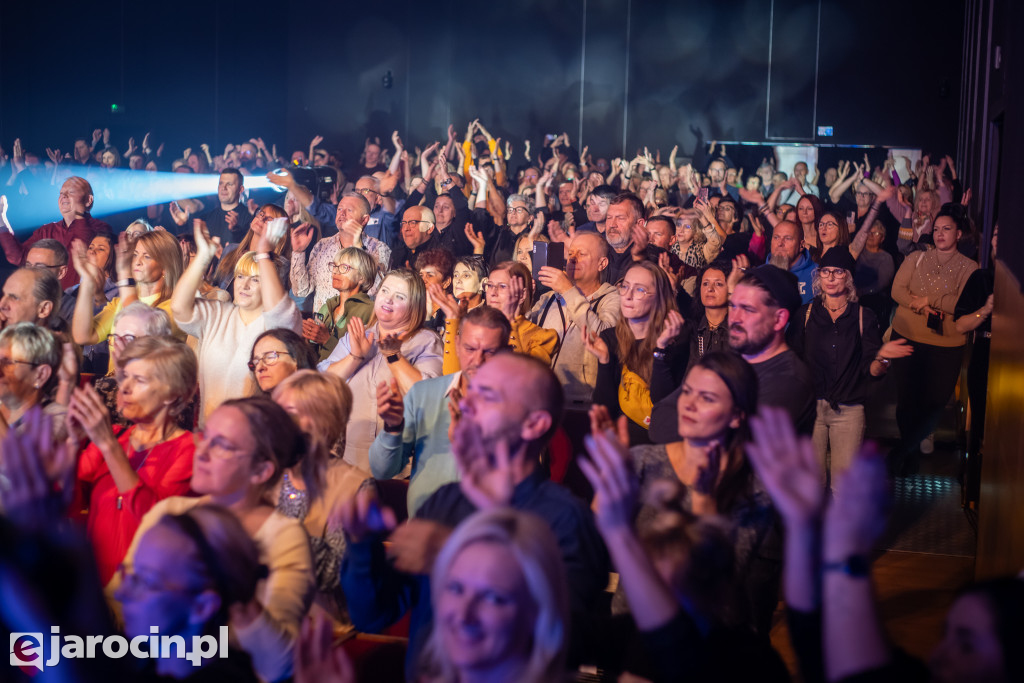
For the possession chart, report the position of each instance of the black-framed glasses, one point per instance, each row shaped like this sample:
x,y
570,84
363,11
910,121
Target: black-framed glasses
x,y
412,223
8,362
342,268
269,358
126,338
517,209
833,273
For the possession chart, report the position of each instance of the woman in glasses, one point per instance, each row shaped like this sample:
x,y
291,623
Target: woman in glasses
x,y
842,346
245,447
648,329
509,288
396,349
276,354
124,471
227,331
353,273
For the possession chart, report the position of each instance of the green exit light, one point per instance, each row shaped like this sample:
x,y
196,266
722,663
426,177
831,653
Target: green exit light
x,y
115,108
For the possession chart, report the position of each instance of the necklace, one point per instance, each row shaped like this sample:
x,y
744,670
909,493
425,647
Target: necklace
x,y
836,310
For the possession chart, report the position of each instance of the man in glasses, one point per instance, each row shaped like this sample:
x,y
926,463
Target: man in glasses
x,y
50,255
418,234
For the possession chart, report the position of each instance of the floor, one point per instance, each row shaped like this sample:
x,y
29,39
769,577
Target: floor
x,y
927,553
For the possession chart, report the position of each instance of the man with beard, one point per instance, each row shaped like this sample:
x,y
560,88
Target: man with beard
x,y
760,308
510,410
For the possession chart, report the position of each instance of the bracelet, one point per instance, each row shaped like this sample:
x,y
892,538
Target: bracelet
x,y
659,354
263,256
127,282
884,361
360,358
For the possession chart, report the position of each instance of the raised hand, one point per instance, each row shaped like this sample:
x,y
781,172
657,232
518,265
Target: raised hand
x,y
476,239
554,279
85,268
448,304
316,660
390,407
206,248
123,256
90,412
40,473
396,141
487,476
358,342
788,467
593,343
739,269
4,223
670,330
97,135
361,516
301,237
858,515
54,155
615,485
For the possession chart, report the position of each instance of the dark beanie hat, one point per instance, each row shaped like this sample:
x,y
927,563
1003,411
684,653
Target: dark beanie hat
x,y
838,257
782,284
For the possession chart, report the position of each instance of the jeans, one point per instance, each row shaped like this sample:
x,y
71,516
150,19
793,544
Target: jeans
x,y
838,434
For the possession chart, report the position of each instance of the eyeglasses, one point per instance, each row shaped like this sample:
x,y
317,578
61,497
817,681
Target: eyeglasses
x,y
126,338
865,194
40,266
517,209
133,581
828,224
342,268
494,287
832,273
8,362
269,359
639,292
366,190
413,223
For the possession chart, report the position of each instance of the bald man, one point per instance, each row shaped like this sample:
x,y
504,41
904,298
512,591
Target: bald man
x,y
577,299
418,233
74,203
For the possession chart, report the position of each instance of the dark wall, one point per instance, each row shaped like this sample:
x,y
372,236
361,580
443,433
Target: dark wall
x,y
623,73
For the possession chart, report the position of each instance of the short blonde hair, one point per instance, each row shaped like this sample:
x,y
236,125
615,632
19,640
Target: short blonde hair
x,y
174,364
364,264
531,542
322,397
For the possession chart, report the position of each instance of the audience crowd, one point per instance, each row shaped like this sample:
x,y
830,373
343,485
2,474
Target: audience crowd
x,y
532,416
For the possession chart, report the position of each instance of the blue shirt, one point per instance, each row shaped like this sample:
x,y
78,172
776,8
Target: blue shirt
x,y
424,438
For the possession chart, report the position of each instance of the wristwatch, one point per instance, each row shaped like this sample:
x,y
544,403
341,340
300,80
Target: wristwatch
x,y
857,566
127,282
393,357
884,361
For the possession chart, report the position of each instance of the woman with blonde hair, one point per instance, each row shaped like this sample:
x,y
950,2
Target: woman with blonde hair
x,y
500,596
228,331
224,275
148,270
320,404
395,349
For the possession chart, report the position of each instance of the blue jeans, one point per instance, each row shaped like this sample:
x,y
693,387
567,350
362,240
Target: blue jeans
x,y
837,437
